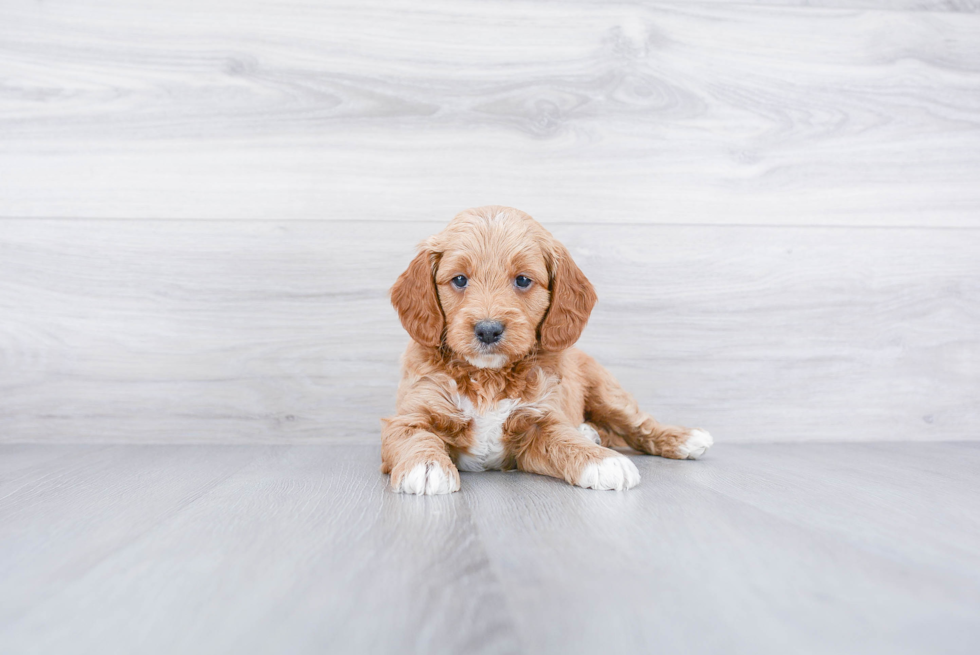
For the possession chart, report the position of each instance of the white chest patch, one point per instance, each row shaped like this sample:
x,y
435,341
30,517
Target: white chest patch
x,y
487,451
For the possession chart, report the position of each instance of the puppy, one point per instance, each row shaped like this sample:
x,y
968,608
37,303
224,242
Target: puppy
x,y
493,304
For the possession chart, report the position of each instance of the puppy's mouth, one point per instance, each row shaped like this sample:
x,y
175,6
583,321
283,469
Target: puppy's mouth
x,y
487,361
488,355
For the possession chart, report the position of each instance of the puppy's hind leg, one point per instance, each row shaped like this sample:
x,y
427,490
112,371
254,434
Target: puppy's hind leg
x,y
613,410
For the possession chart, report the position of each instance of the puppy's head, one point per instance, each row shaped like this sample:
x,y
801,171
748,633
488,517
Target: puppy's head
x,y
493,286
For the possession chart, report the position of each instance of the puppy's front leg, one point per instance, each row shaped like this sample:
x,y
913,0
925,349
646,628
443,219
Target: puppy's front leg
x,y
417,460
415,442
558,449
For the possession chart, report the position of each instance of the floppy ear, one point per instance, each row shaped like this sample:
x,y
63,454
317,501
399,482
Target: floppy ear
x,y
414,297
572,300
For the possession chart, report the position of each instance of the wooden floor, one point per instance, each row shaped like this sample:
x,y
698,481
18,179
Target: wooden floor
x,y
792,548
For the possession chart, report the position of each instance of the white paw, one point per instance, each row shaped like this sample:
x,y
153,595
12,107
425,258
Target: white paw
x,y
427,478
590,433
615,472
697,442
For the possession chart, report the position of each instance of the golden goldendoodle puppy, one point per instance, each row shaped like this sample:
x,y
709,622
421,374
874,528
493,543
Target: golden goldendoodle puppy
x,y
493,304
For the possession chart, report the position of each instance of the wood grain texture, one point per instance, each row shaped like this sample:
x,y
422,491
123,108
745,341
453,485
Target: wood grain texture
x,y
230,331
622,112
244,549
774,548
684,565
965,6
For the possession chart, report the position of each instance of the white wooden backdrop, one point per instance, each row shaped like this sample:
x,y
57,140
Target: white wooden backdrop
x,y
202,205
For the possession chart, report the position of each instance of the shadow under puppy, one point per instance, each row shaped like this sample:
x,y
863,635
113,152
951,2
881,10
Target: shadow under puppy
x,y
493,304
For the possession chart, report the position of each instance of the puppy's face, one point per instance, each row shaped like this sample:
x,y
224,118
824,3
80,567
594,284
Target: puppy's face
x,y
493,286
492,282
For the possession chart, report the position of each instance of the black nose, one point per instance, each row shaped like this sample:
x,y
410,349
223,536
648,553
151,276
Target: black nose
x,y
489,331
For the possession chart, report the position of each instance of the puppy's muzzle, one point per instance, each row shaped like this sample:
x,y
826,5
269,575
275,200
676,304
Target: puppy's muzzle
x,y
488,332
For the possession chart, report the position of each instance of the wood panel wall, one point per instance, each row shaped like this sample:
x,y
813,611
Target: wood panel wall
x,y
202,206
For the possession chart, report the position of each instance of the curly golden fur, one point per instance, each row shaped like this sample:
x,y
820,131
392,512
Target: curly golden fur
x,y
526,400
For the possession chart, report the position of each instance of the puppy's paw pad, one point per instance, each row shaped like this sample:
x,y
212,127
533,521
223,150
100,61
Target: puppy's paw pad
x,y
616,472
698,441
427,478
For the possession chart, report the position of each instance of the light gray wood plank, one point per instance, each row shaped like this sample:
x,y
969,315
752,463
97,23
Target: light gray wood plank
x,y
905,502
231,332
804,548
25,461
578,111
300,551
800,334
68,513
675,566
965,6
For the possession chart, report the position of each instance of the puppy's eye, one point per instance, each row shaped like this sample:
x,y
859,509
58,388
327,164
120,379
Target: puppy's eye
x,y
459,281
522,281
